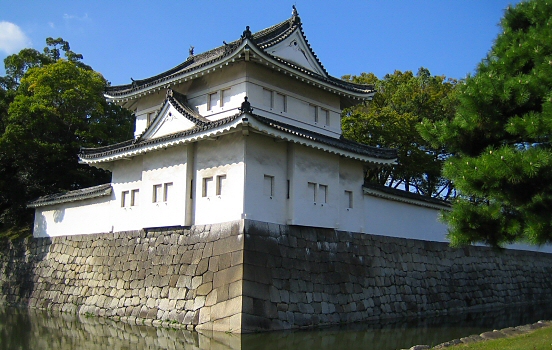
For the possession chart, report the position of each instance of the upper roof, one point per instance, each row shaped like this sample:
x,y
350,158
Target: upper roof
x,y
283,46
201,128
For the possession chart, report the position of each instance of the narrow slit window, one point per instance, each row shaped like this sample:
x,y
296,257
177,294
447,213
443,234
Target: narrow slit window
x,y
349,199
192,189
312,191
124,198
207,185
213,100
323,193
134,196
288,188
166,190
268,187
221,183
280,102
156,195
313,112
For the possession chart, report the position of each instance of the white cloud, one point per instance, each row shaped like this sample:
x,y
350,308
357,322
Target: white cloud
x,y
12,38
75,17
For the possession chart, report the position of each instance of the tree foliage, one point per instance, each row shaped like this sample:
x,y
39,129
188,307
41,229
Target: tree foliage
x,y
501,136
49,108
390,120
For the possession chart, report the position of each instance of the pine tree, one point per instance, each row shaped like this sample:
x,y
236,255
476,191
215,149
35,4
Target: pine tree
x,y
501,136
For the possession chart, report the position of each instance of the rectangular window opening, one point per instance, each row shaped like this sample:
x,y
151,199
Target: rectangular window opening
x,y
134,197
124,198
156,195
349,199
313,112
268,186
221,182
225,97
323,193
166,189
326,116
213,100
280,102
150,117
312,191
207,185
267,98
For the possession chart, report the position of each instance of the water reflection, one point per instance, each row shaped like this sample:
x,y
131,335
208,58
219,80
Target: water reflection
x,y
35,329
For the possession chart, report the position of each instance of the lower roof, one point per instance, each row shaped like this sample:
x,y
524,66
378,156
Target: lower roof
x,y
341,146
72,196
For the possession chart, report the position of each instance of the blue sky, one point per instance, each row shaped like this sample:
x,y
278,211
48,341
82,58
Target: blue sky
x,y
138,39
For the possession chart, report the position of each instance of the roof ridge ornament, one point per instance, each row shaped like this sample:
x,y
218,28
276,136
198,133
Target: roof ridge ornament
x,y
191,51
246,33
295,15
246,106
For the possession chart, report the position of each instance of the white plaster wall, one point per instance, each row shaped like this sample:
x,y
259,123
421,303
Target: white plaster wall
x,y
162,167
351,178
396,219
127,176
74,218
223,156
297,111
311,165
265,156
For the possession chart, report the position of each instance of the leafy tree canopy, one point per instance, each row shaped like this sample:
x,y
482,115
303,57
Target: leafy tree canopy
x,y
49,108
390,120
501,136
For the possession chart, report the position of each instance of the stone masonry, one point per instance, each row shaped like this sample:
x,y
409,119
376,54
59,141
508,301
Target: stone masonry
x,y
191,277
248,276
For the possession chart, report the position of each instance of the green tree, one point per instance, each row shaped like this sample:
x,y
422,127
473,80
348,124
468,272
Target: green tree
x,y
50,107
390,120
500,135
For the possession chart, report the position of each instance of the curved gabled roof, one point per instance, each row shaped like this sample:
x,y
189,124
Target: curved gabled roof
x,y
261,41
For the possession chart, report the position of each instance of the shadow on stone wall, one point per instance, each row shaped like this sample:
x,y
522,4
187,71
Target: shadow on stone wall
x,y
18,261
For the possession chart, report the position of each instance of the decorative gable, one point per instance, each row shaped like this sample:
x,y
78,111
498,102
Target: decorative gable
x,y
175,116
294,49
168,121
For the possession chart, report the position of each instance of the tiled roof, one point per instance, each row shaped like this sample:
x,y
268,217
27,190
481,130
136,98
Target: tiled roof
x,y
72,196
341,143
263,40
405,196
99,152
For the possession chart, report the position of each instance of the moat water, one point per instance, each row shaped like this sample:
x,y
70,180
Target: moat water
x,y
22,328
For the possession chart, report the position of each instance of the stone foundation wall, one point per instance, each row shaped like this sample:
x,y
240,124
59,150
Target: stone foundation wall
x,y
301,276
252,276
173,277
